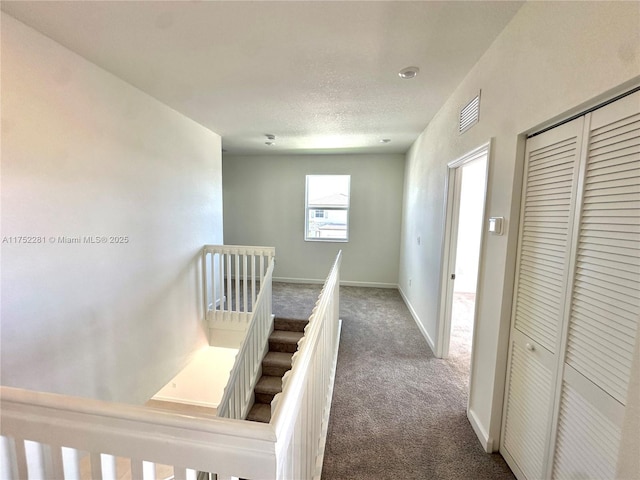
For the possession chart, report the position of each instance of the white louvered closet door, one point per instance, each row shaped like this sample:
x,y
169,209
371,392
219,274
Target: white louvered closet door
x,y
576,307
605,302
551,173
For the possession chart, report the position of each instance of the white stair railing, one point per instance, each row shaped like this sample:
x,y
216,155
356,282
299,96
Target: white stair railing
x,y
238,394
50,436
233,275
300,413
45,435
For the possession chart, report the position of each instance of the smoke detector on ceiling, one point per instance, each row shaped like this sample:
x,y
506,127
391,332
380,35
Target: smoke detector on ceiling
x,y
409,72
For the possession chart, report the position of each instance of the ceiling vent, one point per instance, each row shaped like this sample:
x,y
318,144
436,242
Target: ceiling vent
x,y
470,114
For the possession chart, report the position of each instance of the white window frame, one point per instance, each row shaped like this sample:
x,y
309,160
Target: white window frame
x,y
326,208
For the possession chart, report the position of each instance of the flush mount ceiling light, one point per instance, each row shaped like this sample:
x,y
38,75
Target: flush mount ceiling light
x,y
270,139
385,140
409,72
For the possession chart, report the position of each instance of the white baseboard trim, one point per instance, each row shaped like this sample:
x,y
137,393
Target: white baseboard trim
x,y
346,283
416,318
327,411
485,440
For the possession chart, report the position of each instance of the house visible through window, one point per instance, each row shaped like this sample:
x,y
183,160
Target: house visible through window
x,y
327,208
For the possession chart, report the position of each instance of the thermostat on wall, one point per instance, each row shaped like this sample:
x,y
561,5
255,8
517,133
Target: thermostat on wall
x,y
495,225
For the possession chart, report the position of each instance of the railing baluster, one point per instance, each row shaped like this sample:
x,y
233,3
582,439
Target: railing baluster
x,y
237,278
211,293
244,284
8,467
96,466
229,294
205,283
53,461
223,298
21,458
179,473
137,469
253,280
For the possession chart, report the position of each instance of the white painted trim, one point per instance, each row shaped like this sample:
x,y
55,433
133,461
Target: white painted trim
x,y
416,318
346,283
327,409
486,441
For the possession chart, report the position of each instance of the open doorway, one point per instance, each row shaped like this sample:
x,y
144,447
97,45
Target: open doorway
x,y
467,259
464,225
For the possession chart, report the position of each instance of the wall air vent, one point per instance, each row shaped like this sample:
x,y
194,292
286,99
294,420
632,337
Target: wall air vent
x,y
470,114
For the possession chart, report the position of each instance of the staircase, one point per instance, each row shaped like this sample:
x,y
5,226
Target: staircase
x,y
283,343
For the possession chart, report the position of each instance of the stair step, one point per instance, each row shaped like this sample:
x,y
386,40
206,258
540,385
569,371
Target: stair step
x,y
267,388
284,341
260,412
276,364
290,324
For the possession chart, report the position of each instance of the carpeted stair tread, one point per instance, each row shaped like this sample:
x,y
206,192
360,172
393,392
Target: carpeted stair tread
x,y
260,412
290,324
267,388
269,385
276,363
284,341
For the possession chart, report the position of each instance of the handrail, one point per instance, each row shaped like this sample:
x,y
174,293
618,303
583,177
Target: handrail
x,y
106,429
312,373
236,399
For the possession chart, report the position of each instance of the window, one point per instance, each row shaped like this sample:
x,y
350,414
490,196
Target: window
x,y
327,208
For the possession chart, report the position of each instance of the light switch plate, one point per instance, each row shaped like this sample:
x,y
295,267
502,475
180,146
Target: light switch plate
x,y
495,225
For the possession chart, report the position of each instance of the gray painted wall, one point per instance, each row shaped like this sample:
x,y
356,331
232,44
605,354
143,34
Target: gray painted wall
x,y
264,205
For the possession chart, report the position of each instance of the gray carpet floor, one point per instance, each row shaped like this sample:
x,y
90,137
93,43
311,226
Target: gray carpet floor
x,y
397,412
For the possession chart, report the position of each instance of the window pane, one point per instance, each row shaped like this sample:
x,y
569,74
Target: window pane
x,y
332,225
328,191
327,204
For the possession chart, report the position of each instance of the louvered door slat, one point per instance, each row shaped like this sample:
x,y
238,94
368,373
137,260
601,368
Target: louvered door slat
x,y
591,314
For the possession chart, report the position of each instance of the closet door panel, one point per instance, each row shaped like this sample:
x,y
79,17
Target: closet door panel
x,y
589,431
548,192
605,308
528,405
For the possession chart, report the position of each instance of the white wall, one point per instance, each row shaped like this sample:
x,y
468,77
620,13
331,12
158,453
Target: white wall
x,y
554,58
214,364
264,205
84,153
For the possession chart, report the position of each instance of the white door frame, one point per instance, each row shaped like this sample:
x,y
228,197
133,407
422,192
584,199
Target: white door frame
x,y
453,183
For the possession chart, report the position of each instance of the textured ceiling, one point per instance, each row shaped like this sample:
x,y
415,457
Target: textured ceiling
x,y
320,75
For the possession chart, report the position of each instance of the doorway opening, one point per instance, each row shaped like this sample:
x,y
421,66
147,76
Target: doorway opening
x,y
464,227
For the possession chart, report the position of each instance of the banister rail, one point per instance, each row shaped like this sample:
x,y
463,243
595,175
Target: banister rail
x,y
44,435
238,394
300,413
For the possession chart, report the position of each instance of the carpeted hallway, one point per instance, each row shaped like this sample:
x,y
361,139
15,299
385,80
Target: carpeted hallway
x,y
398,412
